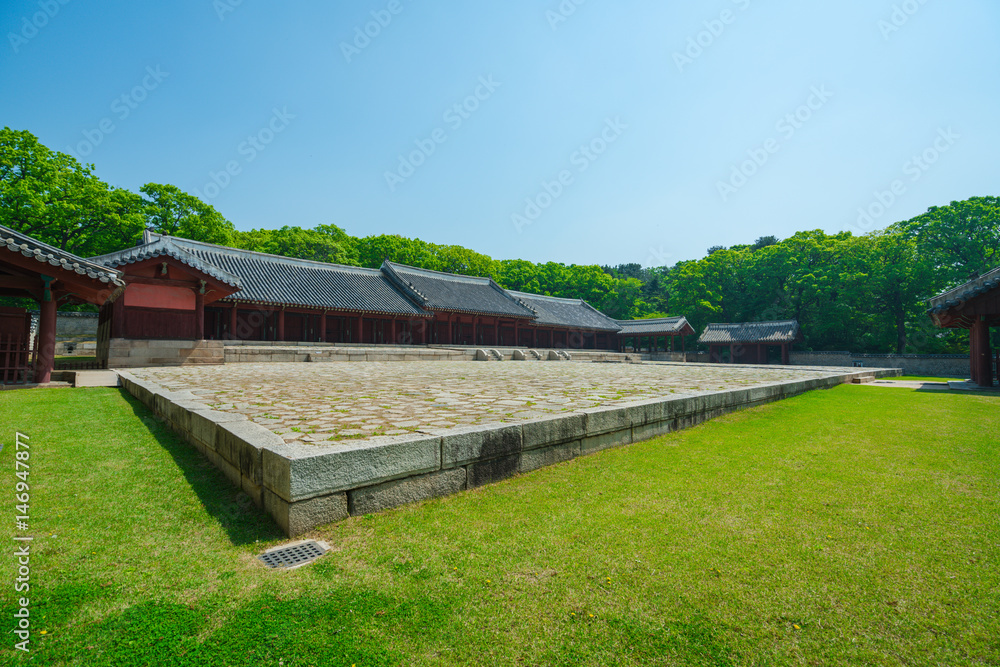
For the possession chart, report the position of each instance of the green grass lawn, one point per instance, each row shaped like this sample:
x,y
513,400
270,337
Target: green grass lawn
x,y
854,526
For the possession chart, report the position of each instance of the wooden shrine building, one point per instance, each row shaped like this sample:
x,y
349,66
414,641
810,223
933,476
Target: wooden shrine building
x,y
245,295
974,306
35,270
651,330
182,289
750,342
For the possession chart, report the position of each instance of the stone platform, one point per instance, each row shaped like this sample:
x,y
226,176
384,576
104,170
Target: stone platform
x,y
312,443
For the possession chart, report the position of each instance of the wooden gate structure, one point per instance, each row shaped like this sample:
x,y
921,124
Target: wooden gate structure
x,y
974,306
49,276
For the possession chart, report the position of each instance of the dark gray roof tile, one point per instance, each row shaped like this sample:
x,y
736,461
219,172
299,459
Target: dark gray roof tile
x,y
166,246
272,279
963,293
568,313
677,325
785,331
435,290
52,256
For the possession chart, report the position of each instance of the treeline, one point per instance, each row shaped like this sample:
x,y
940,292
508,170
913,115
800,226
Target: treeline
x,y
862,293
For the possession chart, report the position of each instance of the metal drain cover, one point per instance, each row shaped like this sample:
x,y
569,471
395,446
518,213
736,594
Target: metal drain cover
x,y
293,555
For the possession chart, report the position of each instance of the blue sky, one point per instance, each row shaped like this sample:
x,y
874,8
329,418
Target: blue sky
x,y
585,131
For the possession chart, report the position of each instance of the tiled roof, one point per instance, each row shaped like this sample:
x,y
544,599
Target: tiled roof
x,y
963,293
659,325
52,256
569,313
272,279
155,245
786,331
435,290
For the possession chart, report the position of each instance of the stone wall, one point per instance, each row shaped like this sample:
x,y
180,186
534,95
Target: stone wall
x,y
76,333
129,353
304,486
928,365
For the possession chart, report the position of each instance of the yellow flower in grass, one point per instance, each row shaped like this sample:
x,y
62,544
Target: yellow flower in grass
x,y
796,627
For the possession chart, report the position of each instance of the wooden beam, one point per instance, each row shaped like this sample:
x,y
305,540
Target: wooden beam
x,y
167,282
16,282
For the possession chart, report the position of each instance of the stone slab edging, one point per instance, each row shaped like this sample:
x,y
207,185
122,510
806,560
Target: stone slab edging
x,y
304,486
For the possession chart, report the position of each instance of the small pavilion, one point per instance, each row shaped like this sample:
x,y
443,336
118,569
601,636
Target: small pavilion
x,y
750,342
974,306
650,331
50,276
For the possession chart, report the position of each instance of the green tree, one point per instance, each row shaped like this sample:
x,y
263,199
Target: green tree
x,y
169,210
962,239
320,244
372,250
52,197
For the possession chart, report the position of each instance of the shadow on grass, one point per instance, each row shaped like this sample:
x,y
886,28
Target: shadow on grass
x,y
244,522
944,389
348,626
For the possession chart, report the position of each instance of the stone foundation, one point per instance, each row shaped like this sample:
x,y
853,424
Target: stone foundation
x,y
304,486
128,353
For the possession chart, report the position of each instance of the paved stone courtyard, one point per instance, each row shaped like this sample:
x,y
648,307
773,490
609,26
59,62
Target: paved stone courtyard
x,y
322,403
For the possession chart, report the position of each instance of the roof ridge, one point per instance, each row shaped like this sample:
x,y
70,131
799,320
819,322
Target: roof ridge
x,y
440,273
180,242
973,284
65,257
554,298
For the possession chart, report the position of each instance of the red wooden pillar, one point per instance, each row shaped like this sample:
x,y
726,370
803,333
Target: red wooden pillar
x,y
496,331
46,338
732,354
232,323
393,329
475,331
534,337
118,317
199,315
785,356
517,339
322,327
281,324
981,356
359,329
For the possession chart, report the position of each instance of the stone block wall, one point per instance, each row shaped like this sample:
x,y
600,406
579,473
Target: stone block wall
x,y
129,353
76,332
928,365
